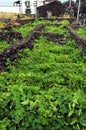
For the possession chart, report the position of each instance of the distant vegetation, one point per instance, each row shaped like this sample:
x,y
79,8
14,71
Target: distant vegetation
x,y
8,15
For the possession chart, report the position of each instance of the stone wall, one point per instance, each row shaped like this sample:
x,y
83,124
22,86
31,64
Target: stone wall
x,y
11,52
10,36
81,42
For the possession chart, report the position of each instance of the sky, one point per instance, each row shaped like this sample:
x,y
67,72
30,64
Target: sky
x,y
10,2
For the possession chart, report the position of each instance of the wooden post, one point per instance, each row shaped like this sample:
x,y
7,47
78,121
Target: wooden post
x,y
78,12
69,3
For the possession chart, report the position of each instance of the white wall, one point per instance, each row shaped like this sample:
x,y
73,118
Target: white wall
x,y
9,9
32,7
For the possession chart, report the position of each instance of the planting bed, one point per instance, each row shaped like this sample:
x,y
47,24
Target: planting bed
x,y
81,42
11,52
81,32
10,36
43,80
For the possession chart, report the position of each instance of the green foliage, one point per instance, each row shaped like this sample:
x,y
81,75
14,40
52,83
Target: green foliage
x,y
64,22
3,45
25,29
47,88
81,32
60,29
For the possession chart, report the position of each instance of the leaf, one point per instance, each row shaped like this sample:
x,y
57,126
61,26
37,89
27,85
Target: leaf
x,y
83,120
70,113
25,102
74,120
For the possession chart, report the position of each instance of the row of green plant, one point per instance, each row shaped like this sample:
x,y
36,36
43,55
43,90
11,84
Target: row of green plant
x,y
58,29
54,29
24,30
46,90
81,32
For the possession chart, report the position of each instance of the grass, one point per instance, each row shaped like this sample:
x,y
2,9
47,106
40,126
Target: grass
x,y
8,15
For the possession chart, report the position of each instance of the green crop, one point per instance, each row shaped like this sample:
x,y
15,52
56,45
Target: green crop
x,y
46,89
25,29
3,45
53,29
81,32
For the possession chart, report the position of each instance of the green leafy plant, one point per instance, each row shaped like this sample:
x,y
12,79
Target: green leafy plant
x,y
54,29
46,90
3,45
81,32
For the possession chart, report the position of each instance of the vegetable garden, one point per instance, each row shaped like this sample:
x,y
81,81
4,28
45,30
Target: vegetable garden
x,y
46,88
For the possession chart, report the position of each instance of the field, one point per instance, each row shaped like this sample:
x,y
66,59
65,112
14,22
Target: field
x,y
46,88
8,15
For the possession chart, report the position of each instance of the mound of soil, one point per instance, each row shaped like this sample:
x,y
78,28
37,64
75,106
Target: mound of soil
x,y
10,36
11,52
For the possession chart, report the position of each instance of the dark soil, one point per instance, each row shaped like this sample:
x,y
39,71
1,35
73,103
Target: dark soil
x,y
10,36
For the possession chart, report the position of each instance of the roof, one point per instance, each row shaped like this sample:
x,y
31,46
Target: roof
x,y
18,2
67,3
50,2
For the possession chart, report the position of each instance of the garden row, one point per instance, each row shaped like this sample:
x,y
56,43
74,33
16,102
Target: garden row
x,y
81,41
11,51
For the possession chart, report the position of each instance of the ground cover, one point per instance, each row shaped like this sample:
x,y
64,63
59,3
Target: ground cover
x,y
3,45
24,30
81,32
46,89
60,29
55,29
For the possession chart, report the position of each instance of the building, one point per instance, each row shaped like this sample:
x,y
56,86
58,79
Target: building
x,y
67,4
20,7
54,8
